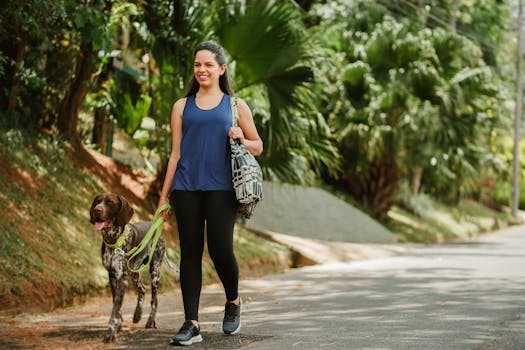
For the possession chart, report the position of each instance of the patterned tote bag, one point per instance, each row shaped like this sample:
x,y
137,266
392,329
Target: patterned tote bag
x,y
247,176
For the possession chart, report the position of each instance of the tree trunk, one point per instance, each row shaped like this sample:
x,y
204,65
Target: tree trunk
x,y
417,174
422,12
386,185
377,188
515,194
101,129
14,91
76,93
453,18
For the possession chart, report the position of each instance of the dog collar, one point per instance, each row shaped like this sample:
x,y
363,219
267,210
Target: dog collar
x,y
120,240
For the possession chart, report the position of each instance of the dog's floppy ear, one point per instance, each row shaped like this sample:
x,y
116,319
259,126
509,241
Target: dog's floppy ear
x,y
125,213
92,209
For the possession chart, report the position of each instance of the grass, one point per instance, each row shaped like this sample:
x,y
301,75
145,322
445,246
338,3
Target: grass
x,y
44,243
440,222
422,219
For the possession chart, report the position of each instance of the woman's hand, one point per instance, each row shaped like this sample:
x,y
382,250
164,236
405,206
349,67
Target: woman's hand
x,y
236,134
166,212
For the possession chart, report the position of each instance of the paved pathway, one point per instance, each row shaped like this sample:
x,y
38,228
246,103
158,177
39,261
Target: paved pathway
x,y
456,296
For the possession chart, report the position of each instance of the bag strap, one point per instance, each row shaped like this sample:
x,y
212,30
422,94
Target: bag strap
x,y
235,111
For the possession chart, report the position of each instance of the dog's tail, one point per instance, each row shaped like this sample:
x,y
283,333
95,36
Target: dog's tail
x,y
170,265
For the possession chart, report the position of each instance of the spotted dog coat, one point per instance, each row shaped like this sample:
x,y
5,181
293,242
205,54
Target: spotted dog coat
x,y
111,214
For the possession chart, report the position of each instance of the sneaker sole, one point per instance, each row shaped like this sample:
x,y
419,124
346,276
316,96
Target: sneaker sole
x,y
235,331
195,339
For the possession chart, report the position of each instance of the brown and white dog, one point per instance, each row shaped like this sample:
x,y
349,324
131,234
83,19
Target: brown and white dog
x,y
111,213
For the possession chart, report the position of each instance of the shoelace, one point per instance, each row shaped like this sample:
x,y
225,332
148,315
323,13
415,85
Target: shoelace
x,y
230,311
187,327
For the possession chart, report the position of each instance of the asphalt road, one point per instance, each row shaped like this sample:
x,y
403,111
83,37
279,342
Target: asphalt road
x,y
456,296
468,295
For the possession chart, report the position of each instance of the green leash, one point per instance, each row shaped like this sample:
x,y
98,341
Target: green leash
x,y
154,232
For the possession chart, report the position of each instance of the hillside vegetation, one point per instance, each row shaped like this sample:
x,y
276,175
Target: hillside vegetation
x,y
49,252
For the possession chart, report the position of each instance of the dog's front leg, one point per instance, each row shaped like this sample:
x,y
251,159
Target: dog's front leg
x,y
155,280
117,279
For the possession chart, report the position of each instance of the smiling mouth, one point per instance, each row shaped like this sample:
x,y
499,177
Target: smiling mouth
x,y
100,225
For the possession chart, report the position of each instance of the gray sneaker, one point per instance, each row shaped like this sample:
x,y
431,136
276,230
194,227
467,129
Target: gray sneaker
x,y
187,335
231,324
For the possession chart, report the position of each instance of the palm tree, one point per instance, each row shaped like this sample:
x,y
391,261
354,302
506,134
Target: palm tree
x,y
267,44
414,97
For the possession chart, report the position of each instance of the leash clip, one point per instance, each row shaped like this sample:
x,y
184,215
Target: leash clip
x,y
120,251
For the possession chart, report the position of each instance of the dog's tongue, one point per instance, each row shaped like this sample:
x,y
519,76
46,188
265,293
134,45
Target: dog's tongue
x,y
99,225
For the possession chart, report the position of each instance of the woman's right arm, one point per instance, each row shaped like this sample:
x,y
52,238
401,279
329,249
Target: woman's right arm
x,y
176,136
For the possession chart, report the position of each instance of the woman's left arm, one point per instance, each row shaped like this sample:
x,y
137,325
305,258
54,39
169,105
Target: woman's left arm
x,y
247,132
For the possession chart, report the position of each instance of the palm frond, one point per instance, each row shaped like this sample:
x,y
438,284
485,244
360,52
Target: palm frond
x,y
269,60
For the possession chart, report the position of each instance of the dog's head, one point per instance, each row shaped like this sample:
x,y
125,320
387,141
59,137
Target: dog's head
x,y
109,210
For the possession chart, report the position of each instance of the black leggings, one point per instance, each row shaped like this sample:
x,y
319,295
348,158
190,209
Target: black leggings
x,y
218,209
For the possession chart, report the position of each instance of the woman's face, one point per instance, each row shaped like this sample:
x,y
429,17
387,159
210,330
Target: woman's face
x,y
206,69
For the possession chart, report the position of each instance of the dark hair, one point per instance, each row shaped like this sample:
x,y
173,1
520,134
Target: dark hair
x,y
220,57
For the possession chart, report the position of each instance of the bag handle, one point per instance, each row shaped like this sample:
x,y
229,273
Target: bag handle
x,y
235,111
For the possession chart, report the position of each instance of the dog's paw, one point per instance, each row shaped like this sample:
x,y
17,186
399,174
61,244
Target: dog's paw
x,y
110,337
114,327
151,324
137,315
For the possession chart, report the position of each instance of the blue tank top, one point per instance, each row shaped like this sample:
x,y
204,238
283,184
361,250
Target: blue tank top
x,y
204,163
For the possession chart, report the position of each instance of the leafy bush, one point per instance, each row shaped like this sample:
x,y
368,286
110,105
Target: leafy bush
x,y
420,205
503,184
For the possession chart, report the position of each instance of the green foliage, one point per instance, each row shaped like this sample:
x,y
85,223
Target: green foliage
x,y
41,41
363,93
270,54
133,113
89,21
27,32
417,98
503,193
420,205
502,185
429,221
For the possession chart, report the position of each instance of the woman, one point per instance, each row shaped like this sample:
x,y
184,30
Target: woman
x,y
198,185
